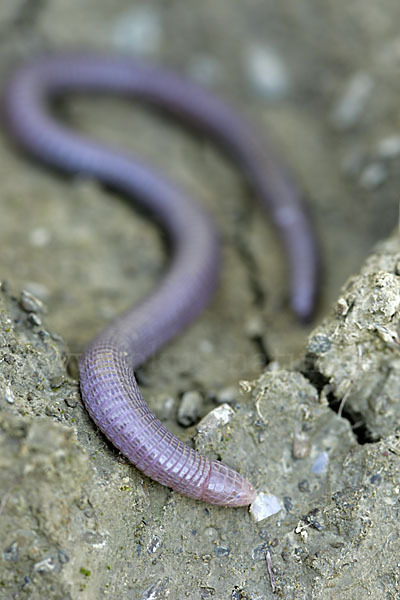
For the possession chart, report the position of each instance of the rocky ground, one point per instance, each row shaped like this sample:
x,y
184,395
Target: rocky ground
x,y
317,429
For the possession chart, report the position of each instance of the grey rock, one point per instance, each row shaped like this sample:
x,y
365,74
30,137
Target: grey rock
x,y
350,106
190,408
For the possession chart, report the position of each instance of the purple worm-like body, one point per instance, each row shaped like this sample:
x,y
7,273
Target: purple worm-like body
x,y
108,385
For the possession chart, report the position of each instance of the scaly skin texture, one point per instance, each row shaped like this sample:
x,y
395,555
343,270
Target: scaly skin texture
x,y
108,385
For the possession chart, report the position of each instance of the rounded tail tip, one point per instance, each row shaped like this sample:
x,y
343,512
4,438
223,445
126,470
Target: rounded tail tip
x,y
226,487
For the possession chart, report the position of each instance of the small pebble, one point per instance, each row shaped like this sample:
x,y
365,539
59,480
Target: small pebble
x,y
39,237
35,319
207,593
221,551
205,346
63,557
389,147
168,408
373,176
300,446
342,307
320,463
312,519
238,594
138,30
154,545
47,565
211,532
261,437
275,543
11,552
304,486
215,419
9,396
156,591
319,344
376,479
258,553
71,402
57,381
350,107
267,72
190,408
288,503
274,366
94,538
264,506
30,303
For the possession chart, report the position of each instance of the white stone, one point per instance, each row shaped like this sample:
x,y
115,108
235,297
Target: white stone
x,y
266,71
138,30
349,108
373,176
264,506
389,147
216,418
9,396
320,463
39,237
